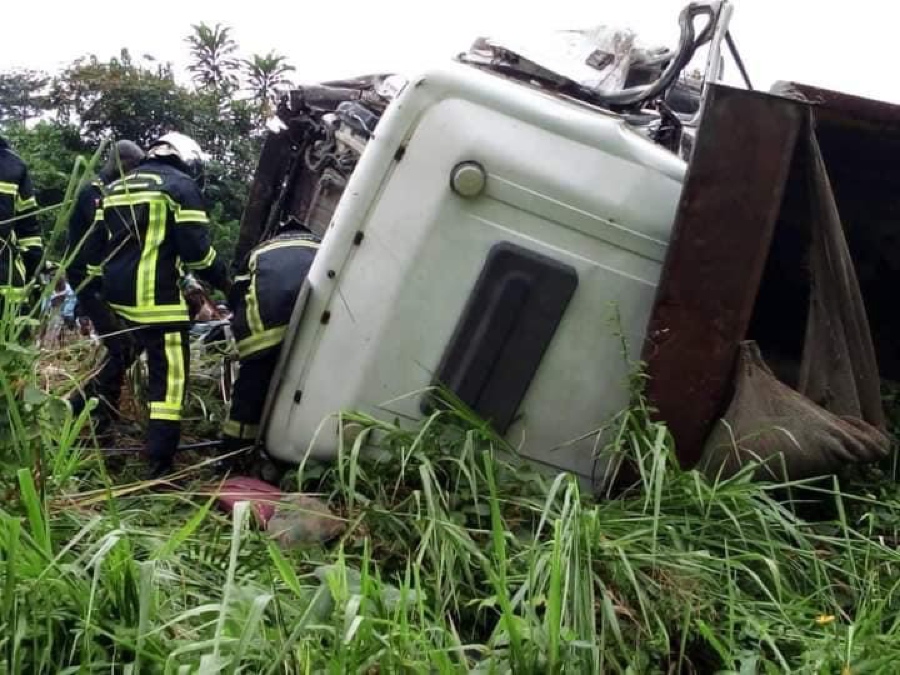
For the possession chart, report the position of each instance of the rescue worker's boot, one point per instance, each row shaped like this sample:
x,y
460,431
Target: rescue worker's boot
x,y
162,444
248,396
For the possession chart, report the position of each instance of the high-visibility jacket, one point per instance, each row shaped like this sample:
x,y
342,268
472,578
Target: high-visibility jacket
x,y
153,227
263,299
84,213
20,235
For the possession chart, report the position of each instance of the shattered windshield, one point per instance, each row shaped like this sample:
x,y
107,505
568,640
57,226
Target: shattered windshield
x,y
613,66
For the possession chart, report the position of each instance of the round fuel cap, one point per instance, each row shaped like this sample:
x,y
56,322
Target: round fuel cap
x,y
468,179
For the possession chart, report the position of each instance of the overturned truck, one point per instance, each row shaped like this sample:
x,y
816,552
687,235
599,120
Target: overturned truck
x,y
500,228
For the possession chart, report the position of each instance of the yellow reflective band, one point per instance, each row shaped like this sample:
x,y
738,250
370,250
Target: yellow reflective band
x,y
241,277
246,432
95,270
133,180
190,216
260,341
158,314
23,205
13,293
274,246
163,406
130,187
175,375
150,196
142,197
161,411
20,266
146,271
204,263
30,242
9,189
254,320
232,429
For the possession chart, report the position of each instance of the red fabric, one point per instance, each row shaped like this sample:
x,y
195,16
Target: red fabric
x,y
262,496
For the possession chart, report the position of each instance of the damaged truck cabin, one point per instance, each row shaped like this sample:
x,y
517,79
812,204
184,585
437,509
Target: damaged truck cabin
x,y
501,228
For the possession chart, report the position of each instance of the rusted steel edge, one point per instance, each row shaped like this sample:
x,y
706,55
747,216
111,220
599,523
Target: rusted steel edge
x,y
717,254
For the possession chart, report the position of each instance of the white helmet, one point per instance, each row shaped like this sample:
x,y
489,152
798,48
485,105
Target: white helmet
x,y
184,148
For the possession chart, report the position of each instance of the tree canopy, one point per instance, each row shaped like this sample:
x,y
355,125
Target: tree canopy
x,y
51,118
267,74
215,65
22,95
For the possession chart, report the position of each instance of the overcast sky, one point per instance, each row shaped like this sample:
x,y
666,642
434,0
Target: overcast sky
x,y
825,43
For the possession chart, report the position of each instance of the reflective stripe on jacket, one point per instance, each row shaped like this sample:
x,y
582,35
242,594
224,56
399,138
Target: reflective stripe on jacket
x,y
263,299
154,225
21,247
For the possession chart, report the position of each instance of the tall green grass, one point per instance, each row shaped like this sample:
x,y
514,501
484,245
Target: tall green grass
x,y
456,558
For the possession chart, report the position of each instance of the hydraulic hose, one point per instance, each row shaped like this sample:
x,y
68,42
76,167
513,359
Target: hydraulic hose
x,y
687,46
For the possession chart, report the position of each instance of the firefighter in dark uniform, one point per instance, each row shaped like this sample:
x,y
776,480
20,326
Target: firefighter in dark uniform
x,y
154,226
21,248
106,385
262,301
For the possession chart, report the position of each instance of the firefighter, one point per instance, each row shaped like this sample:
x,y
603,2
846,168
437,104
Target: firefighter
x,y
21,248
106,385
262,301
153,224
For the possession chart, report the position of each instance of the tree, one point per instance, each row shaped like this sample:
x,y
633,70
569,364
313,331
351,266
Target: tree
x,y
122,98
139,99
215,65
266,74
22,95
227,133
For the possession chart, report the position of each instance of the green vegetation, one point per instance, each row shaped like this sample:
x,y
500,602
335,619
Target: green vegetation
x,y
454,560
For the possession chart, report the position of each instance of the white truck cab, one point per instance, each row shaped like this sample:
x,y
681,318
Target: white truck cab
x,y
501,234
477,243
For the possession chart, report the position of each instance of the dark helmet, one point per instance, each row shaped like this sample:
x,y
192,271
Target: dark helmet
x,y
124,156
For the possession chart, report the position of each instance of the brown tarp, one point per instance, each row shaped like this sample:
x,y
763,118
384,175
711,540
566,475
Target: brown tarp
x,y
834,417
